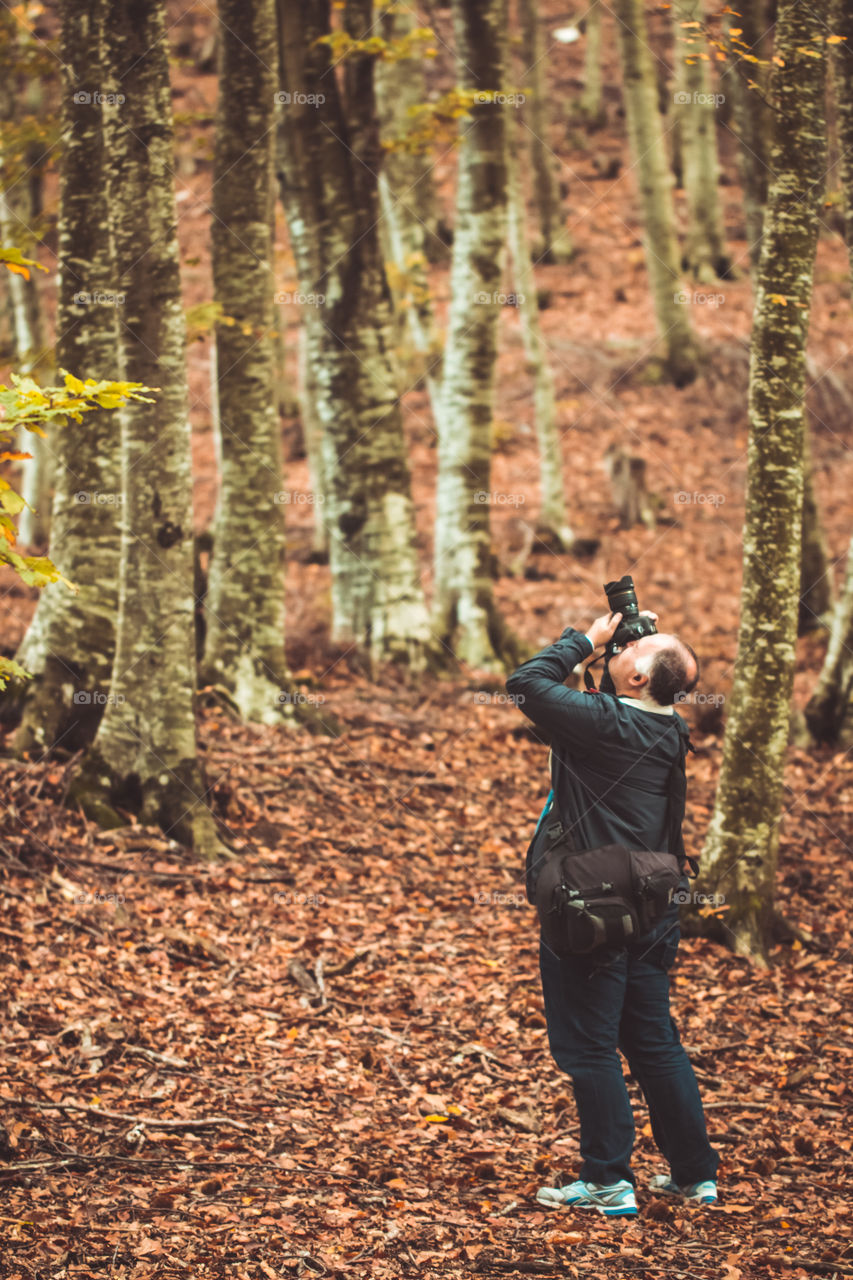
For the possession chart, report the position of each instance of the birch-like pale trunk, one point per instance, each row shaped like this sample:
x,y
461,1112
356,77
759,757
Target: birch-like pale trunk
x,y
655,182
741,850
555,243
329,157
705,255
244,607
144,757
552,526
465,614
70,642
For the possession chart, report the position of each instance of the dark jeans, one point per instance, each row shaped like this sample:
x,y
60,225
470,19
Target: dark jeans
x,y
620,999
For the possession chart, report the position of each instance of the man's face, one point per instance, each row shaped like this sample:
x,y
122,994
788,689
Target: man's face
x,y
623,665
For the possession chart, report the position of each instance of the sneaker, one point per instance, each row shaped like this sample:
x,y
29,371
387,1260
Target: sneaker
x,y
701,1192
615,1201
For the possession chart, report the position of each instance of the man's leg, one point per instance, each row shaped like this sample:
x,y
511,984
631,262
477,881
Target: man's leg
x,y
649,1039
583,1006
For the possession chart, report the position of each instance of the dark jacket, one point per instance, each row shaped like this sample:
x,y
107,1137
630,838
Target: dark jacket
x,y
612,766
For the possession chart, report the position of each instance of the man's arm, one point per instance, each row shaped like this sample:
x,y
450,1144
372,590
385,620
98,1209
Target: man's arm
x,y
544,699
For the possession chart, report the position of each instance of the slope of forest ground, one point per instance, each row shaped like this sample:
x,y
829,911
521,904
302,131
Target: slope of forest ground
x,y
353,1006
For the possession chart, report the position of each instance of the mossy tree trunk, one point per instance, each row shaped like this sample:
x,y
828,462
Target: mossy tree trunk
x,y
465,615
841,22
70,643
144,757
741,851
655,182
705,255
244,608
329,156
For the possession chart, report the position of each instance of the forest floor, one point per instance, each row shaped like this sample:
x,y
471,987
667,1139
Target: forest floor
x,y
329,1057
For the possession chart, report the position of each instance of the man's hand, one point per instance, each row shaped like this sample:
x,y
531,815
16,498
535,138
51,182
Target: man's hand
x,y
603,628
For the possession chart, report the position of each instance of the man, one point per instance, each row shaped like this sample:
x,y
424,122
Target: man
x,y
612,760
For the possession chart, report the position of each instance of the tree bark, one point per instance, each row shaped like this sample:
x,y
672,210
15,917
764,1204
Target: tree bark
x,y
741,852
70,642
655,179
552,525
815,568
144,756
328,161
706,257
465,614
555,244
244,645
842,73
592,100
829,712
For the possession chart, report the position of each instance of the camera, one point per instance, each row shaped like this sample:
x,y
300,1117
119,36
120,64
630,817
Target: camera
x,y
622,598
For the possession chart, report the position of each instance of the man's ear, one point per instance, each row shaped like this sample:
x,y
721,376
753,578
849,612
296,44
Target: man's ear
x,y
637,679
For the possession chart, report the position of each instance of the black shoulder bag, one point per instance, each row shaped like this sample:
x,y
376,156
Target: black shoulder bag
x,y
609,896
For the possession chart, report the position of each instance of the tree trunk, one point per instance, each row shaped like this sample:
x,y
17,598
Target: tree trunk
x,y
329,158
466,617
555,243
741,852
815,568
70,642
746,81
144,756
842,72
552,525
592,101
244,609
21,186
647,142
705,256
829,712
408,174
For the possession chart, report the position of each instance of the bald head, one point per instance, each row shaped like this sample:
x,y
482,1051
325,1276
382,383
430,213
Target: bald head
x,y
658,667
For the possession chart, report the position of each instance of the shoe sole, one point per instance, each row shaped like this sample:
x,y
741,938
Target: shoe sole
x,y
614,1212
678,1195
